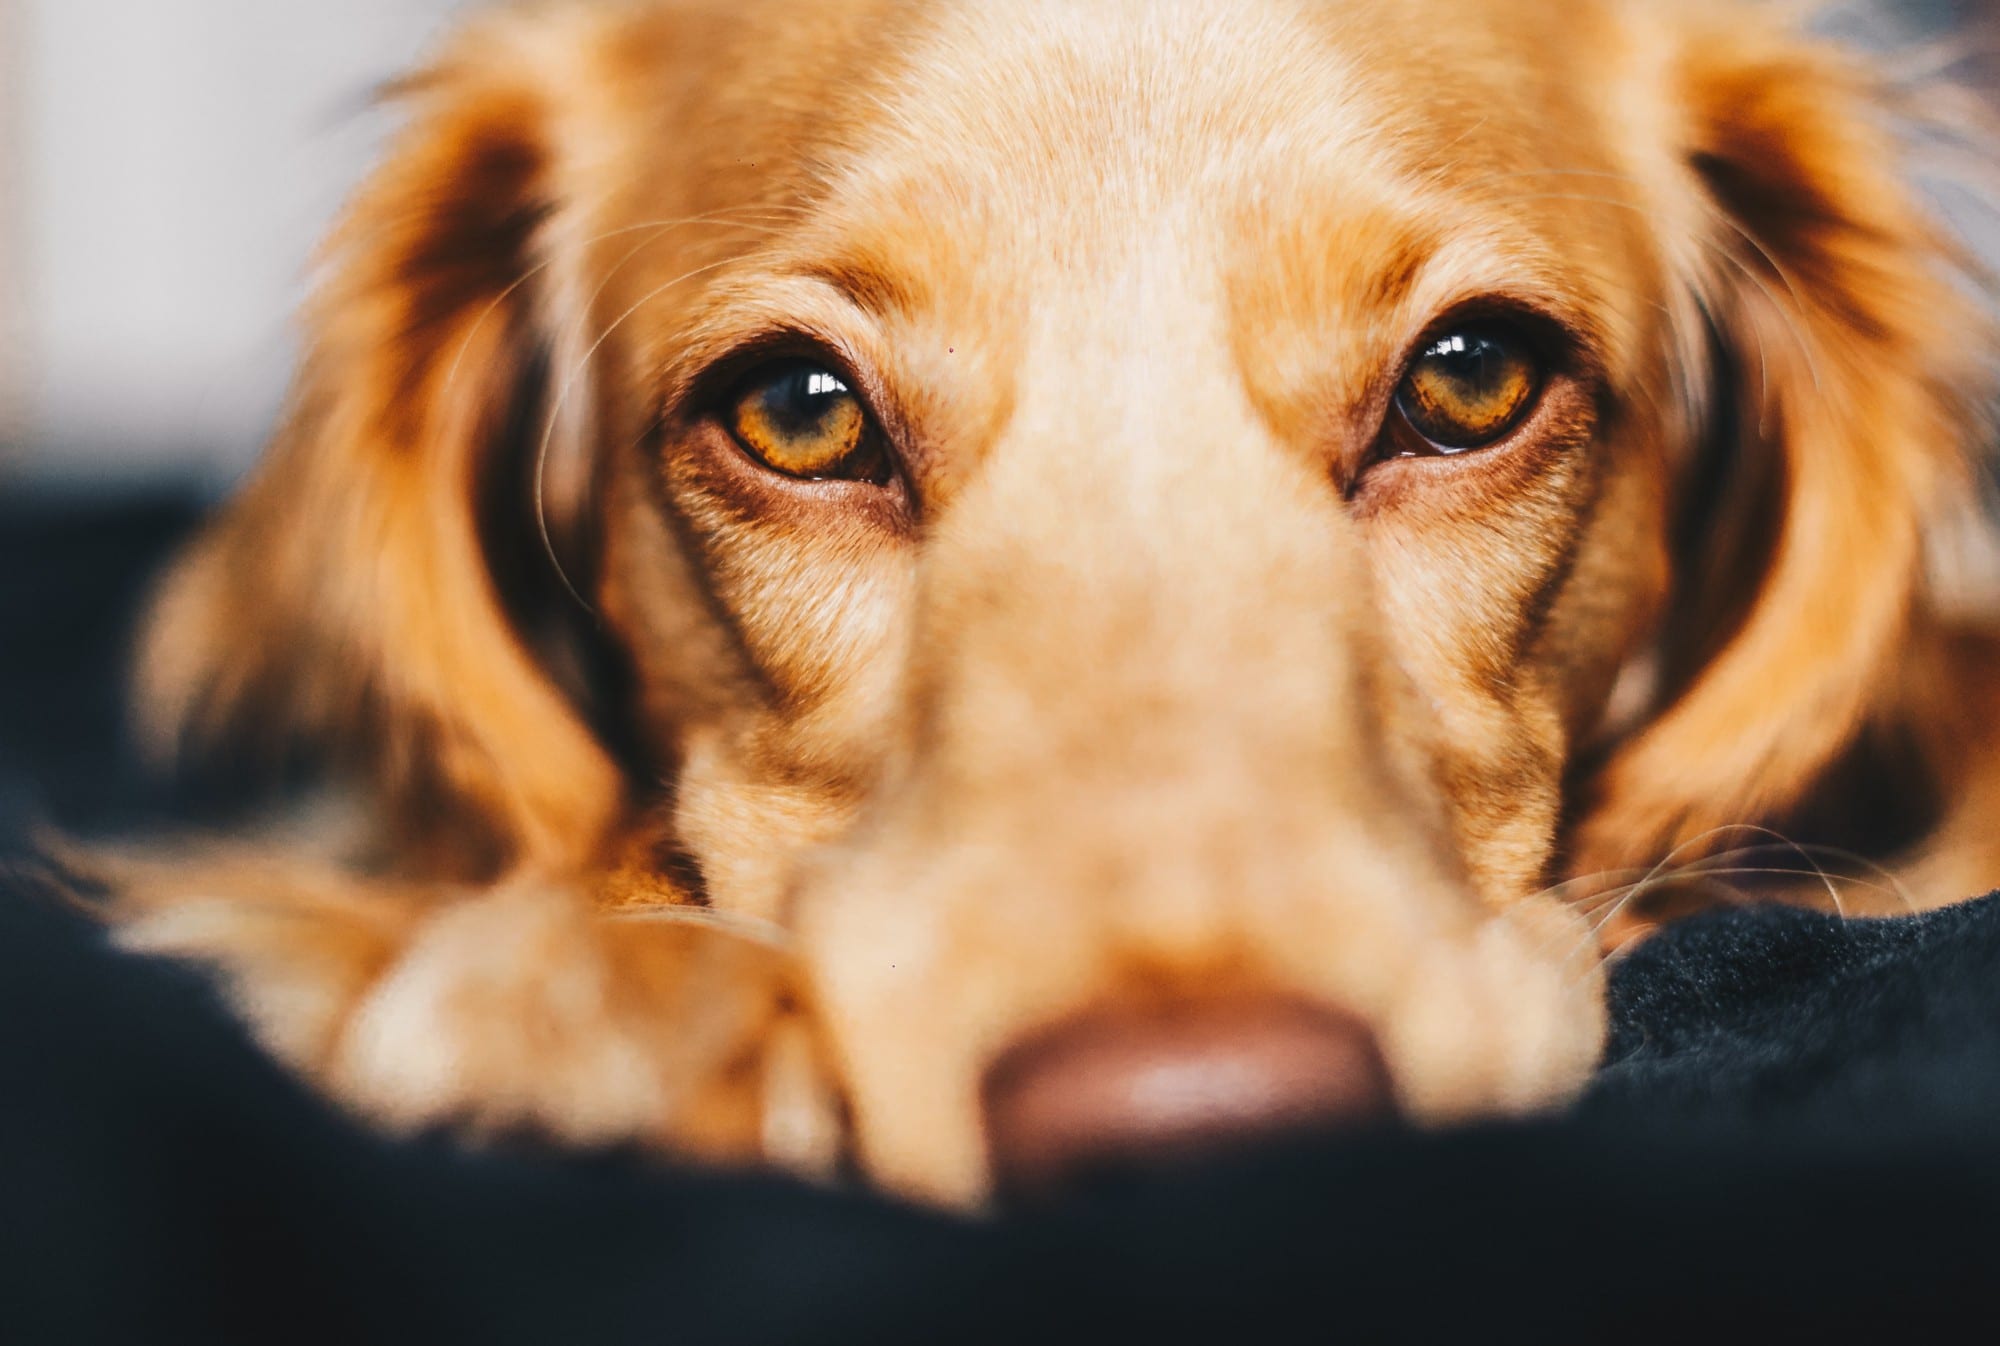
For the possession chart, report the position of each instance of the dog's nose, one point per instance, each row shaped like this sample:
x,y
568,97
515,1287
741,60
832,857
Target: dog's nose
x,y
1118,1088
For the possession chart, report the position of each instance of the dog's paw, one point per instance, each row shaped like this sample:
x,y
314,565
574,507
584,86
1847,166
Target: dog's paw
x,y
523,1010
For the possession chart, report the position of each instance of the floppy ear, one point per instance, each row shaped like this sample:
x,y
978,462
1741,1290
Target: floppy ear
x,y
1853,360
347,597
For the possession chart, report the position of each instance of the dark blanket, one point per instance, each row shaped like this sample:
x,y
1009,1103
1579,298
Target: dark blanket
x,y
1797,1132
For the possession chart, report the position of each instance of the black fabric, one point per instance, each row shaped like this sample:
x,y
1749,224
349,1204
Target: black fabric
x,y
1797,1133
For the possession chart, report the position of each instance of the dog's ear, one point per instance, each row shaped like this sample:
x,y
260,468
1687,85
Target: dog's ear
x,y
1850,359
348,597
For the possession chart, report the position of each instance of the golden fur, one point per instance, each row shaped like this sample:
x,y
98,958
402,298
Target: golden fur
x,y
754,816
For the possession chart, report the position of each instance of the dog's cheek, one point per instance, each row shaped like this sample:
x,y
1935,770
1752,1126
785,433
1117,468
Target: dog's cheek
x,y
773,777
747,828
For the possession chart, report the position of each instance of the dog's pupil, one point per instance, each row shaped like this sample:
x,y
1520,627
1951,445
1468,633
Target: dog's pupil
x,y
1475,362
800,400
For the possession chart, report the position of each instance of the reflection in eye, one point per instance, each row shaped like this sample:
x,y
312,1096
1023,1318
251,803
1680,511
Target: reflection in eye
x,y
1468,388
802,420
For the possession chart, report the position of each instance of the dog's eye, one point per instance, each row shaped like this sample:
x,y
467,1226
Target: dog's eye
x,y
1468,388
801,419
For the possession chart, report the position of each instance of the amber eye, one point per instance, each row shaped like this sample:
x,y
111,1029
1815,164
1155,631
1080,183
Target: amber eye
x,y
1470,387
803,420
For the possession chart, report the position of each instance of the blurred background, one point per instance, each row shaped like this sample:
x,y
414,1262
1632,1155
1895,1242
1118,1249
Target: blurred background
x,y
165,169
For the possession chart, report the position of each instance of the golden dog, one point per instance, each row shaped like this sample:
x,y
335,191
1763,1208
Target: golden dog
x,y
983,589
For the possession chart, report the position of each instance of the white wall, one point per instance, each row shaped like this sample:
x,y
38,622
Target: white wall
x,y
173,165
13,219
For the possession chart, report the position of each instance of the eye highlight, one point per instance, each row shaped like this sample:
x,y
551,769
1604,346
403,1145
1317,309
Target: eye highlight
x,y
1469,387
801,419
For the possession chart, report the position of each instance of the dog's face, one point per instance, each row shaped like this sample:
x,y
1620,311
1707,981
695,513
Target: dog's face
x,y
1105,510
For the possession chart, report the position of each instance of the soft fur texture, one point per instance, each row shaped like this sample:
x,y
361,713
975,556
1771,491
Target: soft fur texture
x,y
695,801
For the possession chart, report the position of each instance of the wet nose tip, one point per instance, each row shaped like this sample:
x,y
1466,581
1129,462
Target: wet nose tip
x,y
1124,1087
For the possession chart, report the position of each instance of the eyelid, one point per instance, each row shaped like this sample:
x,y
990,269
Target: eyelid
x,y
1566,339
773,315
710,388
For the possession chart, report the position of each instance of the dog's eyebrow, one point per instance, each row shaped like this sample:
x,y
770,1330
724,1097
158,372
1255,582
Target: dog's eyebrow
x,y
864,282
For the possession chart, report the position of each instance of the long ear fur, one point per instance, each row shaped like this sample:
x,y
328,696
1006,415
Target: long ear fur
x,y
345,598
1856,360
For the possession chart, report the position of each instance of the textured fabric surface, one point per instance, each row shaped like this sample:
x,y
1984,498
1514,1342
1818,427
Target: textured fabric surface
x,y
1797,1132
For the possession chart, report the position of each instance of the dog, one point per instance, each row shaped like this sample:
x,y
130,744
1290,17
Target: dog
x,y
970,593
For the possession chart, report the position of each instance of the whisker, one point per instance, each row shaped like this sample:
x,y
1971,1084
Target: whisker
x,y
718,217
754,929
1740,871
1740,854
727,219
1785,313
562,400
1559,890
1603,907
746,218
1889,881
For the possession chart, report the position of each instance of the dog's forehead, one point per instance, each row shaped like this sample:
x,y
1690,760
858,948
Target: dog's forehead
x,y
1332,165
1132,103
1119,98
1047,131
